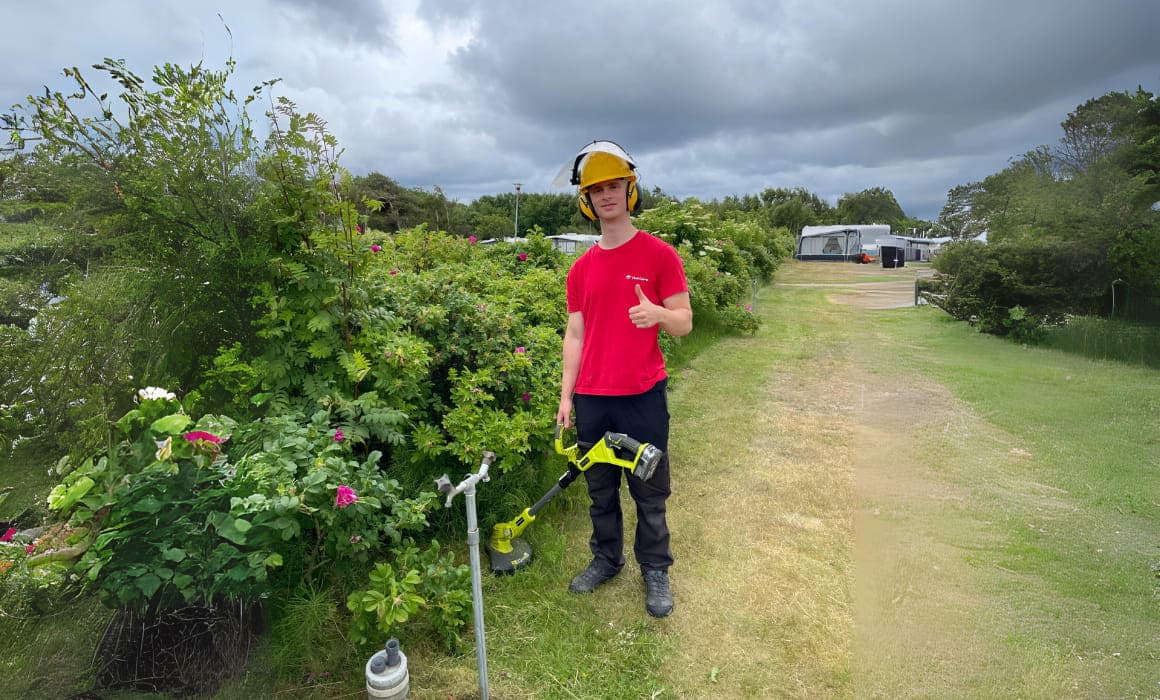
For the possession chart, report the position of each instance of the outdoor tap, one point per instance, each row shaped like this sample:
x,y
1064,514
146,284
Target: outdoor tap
x,y
468,484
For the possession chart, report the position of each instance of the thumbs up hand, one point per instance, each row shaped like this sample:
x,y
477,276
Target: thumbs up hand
x,y
645,314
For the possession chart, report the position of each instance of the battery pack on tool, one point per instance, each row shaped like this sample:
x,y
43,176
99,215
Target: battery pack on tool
x,y
644,456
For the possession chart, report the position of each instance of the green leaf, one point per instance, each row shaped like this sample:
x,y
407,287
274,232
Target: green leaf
x,y
173,554
109,535
371,600
149,505
149,583
171,425
226,526
321,347
125,424
62,498
274,559
320,322
242,526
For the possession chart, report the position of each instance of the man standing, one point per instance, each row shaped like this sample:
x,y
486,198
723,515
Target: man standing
x,y
621,293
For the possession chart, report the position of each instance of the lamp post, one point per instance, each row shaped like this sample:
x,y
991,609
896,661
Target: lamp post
x,y
517,232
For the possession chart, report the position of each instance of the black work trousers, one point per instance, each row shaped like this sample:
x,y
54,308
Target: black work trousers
x,y
645,418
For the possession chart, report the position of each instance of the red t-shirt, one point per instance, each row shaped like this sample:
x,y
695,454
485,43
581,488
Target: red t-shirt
x,y
619,359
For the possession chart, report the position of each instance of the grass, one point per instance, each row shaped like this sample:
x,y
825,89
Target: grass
x,y
31,262
1105,339
1054,471
866,504
15,210
28,239
48,656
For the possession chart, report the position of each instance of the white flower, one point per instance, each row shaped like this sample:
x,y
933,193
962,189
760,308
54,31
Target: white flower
x,y
164,449
155,392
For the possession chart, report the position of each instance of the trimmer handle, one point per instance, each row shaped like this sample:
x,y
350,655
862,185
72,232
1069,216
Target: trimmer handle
x,y
623,441
572,453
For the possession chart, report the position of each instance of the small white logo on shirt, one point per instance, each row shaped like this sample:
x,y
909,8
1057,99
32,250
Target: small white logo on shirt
x,y
637,278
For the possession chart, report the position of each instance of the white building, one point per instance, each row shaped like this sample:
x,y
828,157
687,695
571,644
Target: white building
x,y
573,242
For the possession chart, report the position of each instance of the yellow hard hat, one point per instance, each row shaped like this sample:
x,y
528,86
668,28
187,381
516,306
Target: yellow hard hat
x,y
602,167
576,171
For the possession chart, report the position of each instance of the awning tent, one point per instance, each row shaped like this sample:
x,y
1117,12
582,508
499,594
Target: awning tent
x,y
842,242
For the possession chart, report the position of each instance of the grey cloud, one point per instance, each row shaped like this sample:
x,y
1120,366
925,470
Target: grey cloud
x,y
712,98
359,21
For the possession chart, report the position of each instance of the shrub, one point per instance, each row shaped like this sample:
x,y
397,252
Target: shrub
x,y
1015,286
171,520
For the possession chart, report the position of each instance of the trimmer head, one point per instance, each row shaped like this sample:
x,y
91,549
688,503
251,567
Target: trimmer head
x,y
510,562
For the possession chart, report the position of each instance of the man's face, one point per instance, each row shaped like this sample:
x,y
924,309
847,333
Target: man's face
x,y
609,198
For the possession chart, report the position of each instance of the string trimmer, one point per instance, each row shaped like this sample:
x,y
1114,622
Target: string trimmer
x,y
508,552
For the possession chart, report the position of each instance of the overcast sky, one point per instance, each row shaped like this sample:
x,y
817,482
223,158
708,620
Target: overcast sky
x,y
711,97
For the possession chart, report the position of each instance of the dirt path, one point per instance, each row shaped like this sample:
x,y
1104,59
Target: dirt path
x,y
817,556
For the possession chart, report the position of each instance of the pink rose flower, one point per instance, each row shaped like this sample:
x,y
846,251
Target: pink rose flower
x,y
527,396
196,435
345,496
8,535
376,248
394,272
472,239
338,435
521,350
522,256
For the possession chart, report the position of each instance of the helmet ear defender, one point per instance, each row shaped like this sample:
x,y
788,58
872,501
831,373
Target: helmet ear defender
x,y
586,208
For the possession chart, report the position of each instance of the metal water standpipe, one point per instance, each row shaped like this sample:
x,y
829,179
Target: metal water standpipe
x,y
386,673
467,488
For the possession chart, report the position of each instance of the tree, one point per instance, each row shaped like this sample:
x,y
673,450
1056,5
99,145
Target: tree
x,y
163,175
873,206
1141,156
552,213
1095,130
793,214
397,208
655,197
961,215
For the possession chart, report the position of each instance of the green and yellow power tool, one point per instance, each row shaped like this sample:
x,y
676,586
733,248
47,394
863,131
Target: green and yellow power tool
x,y
508,553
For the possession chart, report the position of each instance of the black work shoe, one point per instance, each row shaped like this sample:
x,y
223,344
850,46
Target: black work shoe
x,y
595,574
658,594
